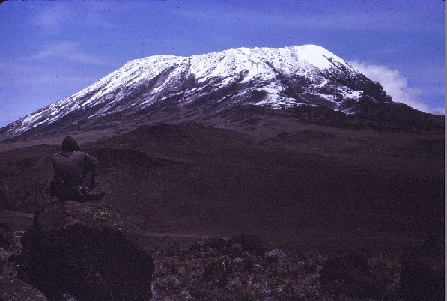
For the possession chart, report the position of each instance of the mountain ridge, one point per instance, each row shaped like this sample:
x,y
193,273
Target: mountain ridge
x,y
208,85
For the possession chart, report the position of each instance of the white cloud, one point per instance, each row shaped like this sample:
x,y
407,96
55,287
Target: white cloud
x,y
70,51
395,85
52,18
438,111
56,16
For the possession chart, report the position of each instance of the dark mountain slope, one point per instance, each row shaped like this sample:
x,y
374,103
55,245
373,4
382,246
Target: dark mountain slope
x,y
307,185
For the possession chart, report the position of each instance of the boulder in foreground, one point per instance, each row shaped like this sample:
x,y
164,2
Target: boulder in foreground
x,y
87,251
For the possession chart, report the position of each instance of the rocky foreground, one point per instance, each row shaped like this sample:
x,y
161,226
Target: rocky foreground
x,y
89,252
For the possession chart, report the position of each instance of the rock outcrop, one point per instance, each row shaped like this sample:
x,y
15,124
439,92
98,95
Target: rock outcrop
x,y
87,251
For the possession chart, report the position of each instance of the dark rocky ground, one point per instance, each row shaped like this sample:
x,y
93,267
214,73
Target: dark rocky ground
x,y
236,268
273,209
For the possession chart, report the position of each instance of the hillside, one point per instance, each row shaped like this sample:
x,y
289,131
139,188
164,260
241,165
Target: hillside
x,y
294,185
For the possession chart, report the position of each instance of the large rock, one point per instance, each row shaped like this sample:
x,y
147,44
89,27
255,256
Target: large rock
x,y
13,289
423,271
359,277
88,251
348,275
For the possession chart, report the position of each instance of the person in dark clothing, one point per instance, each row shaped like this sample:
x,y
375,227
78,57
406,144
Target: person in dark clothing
x,y
74,174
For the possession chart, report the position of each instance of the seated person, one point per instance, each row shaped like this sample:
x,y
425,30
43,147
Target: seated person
x,y
74,177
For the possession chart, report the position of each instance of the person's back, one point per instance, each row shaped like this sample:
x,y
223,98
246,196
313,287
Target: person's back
x,y
74,173
71,167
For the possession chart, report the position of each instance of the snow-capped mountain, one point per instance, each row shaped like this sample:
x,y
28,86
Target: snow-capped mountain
x,y
209,84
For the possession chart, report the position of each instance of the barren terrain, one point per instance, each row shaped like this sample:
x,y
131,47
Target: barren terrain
x,y
267,208
296,185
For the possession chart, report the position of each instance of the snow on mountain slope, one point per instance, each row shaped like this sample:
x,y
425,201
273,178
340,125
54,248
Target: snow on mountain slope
x,y
276,78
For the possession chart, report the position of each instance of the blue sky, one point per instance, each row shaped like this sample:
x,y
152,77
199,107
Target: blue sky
x,y
53,49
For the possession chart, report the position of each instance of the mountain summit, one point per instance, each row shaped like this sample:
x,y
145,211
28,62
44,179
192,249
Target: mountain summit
x,y
204,86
